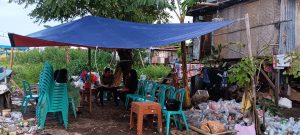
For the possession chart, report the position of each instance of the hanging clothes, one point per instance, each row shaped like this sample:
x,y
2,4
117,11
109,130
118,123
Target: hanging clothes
x,y
246,101
224,79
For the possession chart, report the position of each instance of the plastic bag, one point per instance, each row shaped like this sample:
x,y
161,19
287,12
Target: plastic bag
x,y
172,105
212,127
16,116
284,102
214,106
245,130
200,96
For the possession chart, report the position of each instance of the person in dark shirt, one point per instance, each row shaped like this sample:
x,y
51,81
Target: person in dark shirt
x,y
61,76
107,80
131,84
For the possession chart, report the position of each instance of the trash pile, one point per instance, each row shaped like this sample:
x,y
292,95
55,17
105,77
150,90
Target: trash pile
x,y
222,116
13,123
281,126
213,114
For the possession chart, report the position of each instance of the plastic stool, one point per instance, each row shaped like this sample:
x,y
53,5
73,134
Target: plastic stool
x,y
144,108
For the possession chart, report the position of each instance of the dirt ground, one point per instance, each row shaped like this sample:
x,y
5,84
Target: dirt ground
x,y
112,120
293,112
104,120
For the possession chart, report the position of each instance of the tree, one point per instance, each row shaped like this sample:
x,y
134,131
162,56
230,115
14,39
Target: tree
x,y
66,10
180,8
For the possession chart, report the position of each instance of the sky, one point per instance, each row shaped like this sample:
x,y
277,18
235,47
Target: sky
x,y
14,19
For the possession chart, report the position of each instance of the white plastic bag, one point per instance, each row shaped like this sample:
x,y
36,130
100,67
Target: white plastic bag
x,y
245,130
284,102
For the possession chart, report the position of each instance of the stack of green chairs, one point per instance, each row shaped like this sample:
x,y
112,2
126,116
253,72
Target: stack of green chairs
x,y
177,115
27,96
53,97
45,81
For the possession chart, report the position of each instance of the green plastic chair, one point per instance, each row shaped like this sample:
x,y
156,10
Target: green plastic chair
x,y
27,96
72,102
179,94
165,92
138,93
149,91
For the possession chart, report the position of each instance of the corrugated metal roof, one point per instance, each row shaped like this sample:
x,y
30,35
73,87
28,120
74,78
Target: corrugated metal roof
x,y
204,10
287,29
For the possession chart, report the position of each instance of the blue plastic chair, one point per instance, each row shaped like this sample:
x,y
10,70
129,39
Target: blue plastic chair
x,y
179,95
27,96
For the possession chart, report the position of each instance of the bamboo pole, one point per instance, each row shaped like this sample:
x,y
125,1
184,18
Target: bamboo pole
x,y
67,55
257,127
11,57
187,99
141,58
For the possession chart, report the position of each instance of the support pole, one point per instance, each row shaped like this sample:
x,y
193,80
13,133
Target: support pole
x,y
273,86
67,55
248,33
187,99
268,79
90,70
11,58
277,81
141,58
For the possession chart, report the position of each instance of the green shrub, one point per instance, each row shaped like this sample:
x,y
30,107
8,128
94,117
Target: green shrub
x,y
28,65
28,72
154,72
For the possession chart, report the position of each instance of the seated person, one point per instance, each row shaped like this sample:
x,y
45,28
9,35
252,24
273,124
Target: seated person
x,y
107,80
89,81
131,84
61,76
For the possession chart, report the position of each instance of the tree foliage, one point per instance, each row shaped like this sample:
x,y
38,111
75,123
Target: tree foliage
x,y
179,7
295,66
243,71
66,10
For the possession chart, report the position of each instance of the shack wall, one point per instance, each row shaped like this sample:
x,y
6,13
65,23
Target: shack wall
x,y
264,17
297,46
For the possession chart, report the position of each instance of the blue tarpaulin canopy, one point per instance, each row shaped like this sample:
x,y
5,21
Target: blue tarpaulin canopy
x,y
100,32
4,74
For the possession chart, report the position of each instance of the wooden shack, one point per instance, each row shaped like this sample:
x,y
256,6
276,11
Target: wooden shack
x,y
275,25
